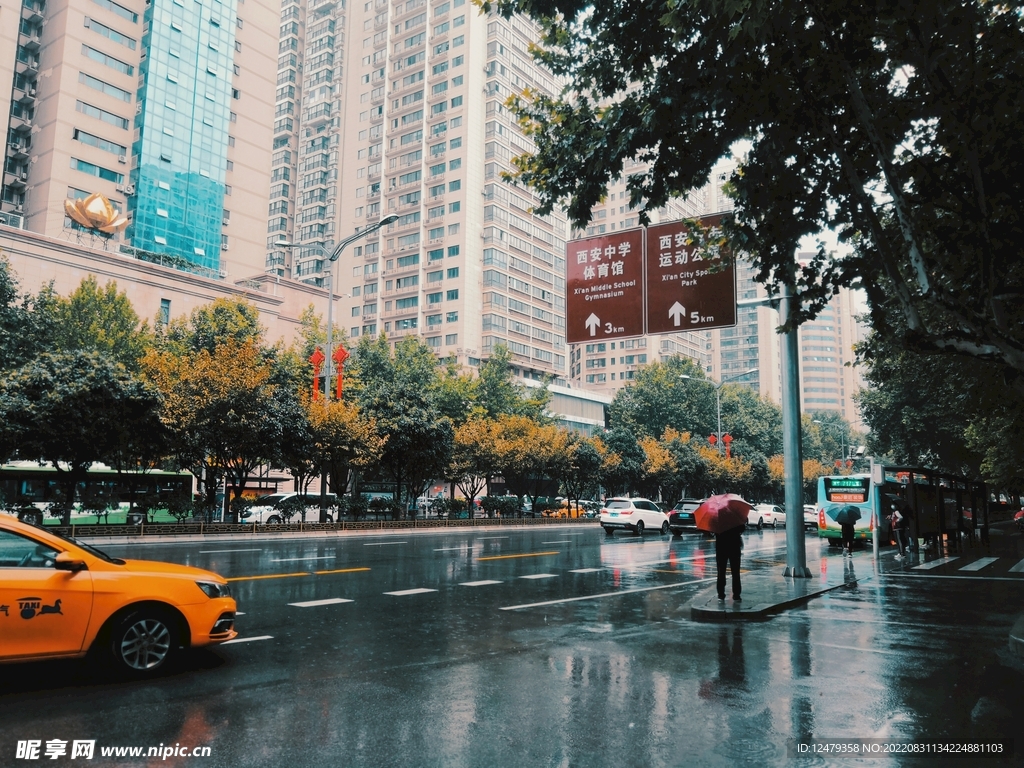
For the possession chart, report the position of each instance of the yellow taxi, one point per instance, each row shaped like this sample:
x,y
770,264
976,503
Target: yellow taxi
x,y
63,598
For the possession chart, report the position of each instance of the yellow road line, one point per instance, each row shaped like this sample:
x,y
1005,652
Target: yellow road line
x,y
290,575
270,576
509,557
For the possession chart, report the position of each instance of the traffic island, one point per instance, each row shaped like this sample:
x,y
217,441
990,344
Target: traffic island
x,y
773,593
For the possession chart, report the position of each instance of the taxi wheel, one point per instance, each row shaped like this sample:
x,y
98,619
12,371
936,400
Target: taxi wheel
x,y
143,641
609,531
273,520
639,530
664,529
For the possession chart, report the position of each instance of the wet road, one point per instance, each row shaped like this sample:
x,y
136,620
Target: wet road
x,y
552,647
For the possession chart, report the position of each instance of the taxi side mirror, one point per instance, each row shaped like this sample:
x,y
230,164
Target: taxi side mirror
x,y
68,562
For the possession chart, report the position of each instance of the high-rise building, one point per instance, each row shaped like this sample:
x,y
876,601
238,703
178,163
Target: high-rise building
x,y
406,116
162,106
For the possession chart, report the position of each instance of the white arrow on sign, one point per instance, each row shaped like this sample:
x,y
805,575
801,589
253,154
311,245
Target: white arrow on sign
x,y
594,322
676,311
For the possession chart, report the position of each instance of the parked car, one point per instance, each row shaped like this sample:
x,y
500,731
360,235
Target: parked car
x,y
766,514
268,510
810,517
636,515
681,517
60,598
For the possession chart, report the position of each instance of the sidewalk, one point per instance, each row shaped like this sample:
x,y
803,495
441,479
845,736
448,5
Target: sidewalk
x,y
765,594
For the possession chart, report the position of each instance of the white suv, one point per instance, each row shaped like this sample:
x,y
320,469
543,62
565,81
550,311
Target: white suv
x,y
268,510
636,515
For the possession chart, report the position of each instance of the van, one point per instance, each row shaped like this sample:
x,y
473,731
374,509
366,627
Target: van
x,y
267,511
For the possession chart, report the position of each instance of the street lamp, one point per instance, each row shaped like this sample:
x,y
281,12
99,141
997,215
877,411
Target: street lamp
x,y
718,396
331,258
842,434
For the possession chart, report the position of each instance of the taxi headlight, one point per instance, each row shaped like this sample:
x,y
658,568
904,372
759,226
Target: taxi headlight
x,y
213,589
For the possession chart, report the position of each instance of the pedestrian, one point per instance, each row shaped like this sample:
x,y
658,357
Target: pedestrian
x,y
847,538
728,545
899,523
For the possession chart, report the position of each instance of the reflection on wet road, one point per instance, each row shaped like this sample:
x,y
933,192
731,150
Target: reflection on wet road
x,y
556,646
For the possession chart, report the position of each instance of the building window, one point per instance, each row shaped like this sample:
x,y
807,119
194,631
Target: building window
x,y
451,317
165,312
451,339
452,295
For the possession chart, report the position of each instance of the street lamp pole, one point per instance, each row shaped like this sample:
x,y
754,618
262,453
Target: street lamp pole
x,y
718,397
333,257
842,435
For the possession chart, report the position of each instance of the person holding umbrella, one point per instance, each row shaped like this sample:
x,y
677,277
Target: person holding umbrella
x,y
846,517
725,516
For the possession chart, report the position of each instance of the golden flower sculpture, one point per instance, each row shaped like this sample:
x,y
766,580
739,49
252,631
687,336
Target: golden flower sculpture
x,y
96,212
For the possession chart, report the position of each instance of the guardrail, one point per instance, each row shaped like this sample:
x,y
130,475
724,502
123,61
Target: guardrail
x,y
202,529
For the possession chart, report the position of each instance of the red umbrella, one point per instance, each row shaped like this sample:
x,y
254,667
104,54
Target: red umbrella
x,y
722,513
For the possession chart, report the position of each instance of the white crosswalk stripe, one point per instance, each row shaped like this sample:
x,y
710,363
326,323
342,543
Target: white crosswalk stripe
x,y
403,592
977,565
1018,568
540,576
934,563
586,570
317,603
483,583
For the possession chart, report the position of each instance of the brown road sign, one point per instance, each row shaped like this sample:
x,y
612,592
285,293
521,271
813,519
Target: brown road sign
x,y
682,293
605,287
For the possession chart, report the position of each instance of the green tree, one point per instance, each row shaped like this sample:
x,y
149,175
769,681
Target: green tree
x,y
395,390
498,394
101,319
660,398
582,467
895,125
623,474
213,325
73,409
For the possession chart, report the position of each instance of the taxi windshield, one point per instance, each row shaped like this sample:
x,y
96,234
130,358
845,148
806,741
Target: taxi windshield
x,y
89,548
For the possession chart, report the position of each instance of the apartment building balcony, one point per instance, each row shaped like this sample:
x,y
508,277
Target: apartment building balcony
x,y
16,180
29,42
318,116
18,151
33,11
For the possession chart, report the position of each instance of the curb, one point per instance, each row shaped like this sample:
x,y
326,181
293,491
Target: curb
x,y
1017,638
763,610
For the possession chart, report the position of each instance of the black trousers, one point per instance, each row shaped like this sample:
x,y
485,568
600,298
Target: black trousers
x,y
848,536
726,558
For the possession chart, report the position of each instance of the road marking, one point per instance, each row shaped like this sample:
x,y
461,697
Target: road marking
x,y
239,613
604,594
454,549
540,576
586,570
417,591
316,603
269,576
949,576
486,538
934,563
384,543
1018,568
483,583
560,541
977,565
341,570
858,648
297,559
218,551
509,557
248,639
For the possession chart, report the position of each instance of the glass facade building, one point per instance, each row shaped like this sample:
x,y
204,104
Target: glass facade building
x,y
181,124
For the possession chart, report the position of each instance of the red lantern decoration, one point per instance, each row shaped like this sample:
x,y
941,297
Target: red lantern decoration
x,y
317,360
339,356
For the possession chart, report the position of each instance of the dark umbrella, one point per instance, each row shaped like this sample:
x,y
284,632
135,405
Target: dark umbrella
x,y
847,515
721,513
